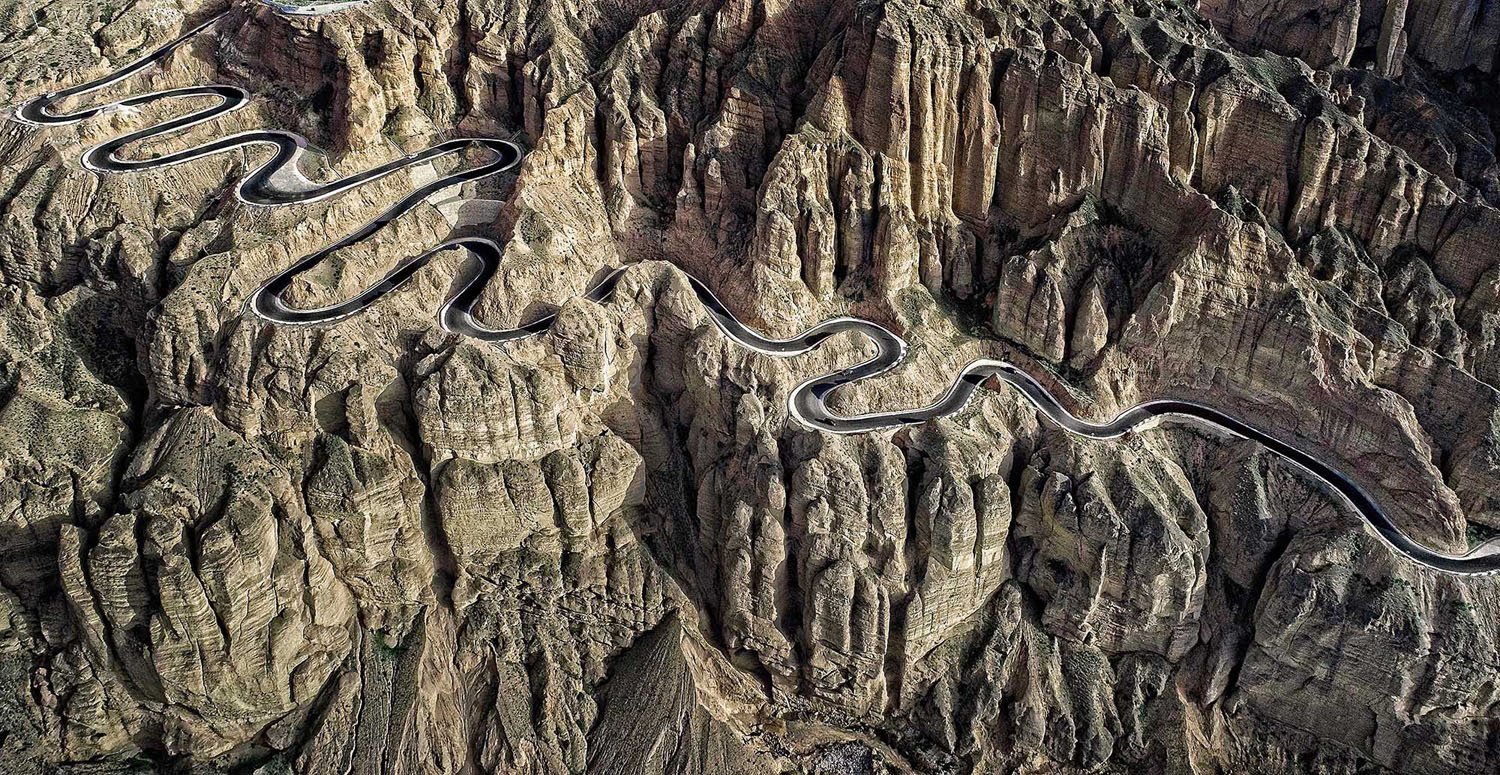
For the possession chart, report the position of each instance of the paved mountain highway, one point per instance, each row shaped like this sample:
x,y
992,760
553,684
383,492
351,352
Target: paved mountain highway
x,y
277,181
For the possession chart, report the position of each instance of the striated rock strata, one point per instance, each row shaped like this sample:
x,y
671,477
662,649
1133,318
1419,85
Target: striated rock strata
x,y
375,548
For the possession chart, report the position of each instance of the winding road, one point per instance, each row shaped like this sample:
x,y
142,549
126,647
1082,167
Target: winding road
x,y
278,181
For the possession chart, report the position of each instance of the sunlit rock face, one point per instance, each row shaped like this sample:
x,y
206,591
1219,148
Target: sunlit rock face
x,y
377,547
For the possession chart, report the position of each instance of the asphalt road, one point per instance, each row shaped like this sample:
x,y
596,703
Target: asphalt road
x,y
277,181
313,9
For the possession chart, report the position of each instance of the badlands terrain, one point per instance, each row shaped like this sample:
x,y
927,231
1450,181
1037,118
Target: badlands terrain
x,y
383,545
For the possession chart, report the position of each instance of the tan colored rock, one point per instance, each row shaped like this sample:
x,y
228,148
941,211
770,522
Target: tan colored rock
x,y
472,402
373,547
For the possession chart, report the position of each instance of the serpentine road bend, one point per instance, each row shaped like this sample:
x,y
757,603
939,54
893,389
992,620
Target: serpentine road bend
x,y
278,181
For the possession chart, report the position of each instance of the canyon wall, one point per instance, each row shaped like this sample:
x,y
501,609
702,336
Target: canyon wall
x,y
227,546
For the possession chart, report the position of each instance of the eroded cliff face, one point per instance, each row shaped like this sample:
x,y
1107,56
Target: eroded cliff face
x,y
375,547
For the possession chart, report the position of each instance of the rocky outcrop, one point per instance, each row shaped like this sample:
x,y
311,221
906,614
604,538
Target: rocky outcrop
x,y
655,718
375,547
207,600
1445,38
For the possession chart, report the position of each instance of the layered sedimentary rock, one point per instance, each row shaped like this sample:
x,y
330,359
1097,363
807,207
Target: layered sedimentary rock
x,y
376,547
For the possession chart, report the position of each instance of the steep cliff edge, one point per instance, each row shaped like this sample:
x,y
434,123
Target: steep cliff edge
x,y
227,546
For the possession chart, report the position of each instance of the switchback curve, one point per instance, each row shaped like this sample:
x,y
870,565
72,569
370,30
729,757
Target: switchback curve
x,y
277,181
